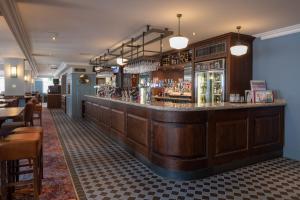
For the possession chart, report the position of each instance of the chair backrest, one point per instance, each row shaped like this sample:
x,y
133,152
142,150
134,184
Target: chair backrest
x,y
34,100
14,103
38,97
28,113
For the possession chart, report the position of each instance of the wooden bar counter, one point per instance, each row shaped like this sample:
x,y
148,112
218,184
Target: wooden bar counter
x,y
187,141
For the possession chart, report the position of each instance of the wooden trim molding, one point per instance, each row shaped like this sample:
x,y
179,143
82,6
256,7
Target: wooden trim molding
x,y
279,32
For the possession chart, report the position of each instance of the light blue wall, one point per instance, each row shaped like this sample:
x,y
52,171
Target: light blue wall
x,y
38,86
78,91
278,62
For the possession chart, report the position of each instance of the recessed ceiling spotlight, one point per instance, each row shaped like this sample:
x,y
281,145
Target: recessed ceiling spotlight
x,y
53,36
194,33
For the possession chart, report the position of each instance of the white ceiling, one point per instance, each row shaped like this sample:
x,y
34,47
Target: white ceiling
x,y
8,45
91,26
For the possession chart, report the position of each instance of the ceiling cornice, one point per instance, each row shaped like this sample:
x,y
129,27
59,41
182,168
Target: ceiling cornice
x,y
279,32
9,10
65,66
61,68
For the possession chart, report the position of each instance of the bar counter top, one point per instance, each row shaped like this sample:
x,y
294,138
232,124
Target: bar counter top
x,y
169,106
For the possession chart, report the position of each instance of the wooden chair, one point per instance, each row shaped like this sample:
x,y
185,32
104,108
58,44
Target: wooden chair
x,y
16,147
37,113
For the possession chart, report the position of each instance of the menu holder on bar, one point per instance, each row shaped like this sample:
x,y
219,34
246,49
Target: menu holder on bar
x,y
265,96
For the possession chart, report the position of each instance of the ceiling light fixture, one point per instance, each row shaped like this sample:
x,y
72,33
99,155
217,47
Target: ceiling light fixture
x,y
179,41
238,49
121,61
53,36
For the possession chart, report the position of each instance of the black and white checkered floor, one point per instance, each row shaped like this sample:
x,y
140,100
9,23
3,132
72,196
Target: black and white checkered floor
x,y
101,169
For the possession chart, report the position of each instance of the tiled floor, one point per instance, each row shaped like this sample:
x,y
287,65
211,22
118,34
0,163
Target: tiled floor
x,y
103,170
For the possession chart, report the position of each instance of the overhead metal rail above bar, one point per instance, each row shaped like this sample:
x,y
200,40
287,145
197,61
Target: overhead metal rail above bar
x,y
134,48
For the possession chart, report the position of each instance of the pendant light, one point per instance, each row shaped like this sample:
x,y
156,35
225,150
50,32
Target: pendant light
x,y
239,49
121,61
178,42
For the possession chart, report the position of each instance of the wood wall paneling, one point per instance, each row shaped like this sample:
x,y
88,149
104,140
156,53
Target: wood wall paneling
x,y
174,74
137,129
118,121
267,129
231,137
179,140
105,117
192,140
54,101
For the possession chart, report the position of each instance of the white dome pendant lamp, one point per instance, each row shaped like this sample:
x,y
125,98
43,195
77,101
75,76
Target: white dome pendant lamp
x,y
178,42
239,49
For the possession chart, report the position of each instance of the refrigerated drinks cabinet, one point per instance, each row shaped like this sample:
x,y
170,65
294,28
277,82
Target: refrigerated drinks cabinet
x,y
209,81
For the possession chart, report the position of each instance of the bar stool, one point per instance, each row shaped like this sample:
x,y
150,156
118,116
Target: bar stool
x,y
33,129
18,147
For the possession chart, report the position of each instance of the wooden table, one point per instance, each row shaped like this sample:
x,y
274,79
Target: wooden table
x,y
7,100
8,113
3,105
11,112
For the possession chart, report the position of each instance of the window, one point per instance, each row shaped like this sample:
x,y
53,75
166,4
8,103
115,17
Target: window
x,y
2,84
42,84
46,83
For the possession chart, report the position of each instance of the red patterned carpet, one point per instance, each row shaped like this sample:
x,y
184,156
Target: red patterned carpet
x,y
57,183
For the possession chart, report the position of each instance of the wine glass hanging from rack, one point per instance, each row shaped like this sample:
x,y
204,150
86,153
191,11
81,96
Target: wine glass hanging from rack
x,y
142,65
135,53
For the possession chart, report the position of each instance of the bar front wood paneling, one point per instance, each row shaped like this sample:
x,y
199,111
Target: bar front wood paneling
x,y
54,101
191,144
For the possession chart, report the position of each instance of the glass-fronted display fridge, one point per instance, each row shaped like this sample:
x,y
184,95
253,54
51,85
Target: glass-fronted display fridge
x,y
209,80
